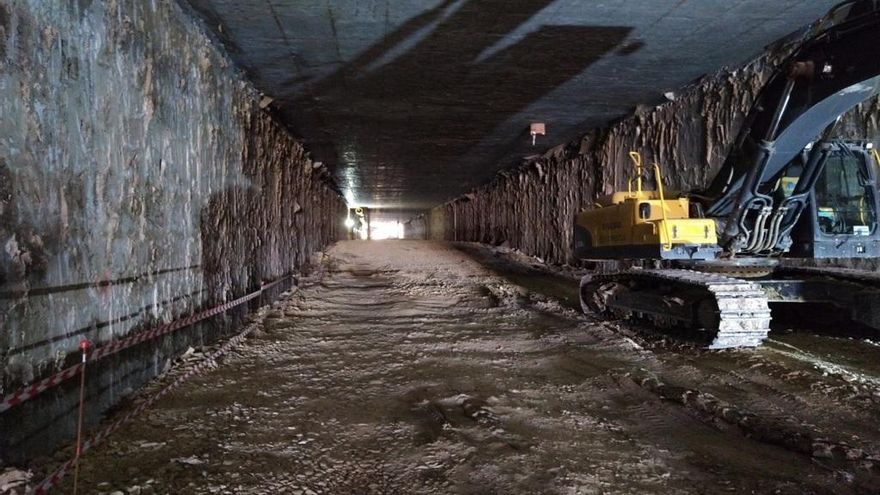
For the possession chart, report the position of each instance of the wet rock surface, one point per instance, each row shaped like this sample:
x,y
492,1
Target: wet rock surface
x,y
418,367
140,182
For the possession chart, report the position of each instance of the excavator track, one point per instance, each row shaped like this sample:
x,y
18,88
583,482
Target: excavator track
x,y
721,311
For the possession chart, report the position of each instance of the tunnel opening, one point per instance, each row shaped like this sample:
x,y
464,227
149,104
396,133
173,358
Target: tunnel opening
x,y
386,229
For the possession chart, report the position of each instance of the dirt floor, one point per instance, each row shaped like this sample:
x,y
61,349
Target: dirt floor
x,y
418,367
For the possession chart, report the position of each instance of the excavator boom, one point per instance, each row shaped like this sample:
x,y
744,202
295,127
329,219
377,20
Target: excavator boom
x,y
834,70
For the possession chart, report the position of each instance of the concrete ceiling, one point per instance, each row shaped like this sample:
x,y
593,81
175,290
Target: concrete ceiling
x,y
411,103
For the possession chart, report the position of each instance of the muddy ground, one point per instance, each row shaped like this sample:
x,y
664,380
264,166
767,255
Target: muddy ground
x,y
418,367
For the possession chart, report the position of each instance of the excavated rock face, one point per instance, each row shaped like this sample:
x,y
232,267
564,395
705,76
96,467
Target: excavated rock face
x,y
139,182
532,208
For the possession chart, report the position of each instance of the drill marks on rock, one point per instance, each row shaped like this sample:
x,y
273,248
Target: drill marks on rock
x,y
5,24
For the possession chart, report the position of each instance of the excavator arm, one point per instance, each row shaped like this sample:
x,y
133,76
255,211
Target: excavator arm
x,y
836,68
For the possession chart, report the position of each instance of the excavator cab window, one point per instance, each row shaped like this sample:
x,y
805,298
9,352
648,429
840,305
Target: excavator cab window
x,y
788,181
845,203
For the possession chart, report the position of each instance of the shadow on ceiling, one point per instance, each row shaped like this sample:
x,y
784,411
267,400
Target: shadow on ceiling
x,y
426,108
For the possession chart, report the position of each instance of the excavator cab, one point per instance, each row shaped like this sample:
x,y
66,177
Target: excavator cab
x,y
841,219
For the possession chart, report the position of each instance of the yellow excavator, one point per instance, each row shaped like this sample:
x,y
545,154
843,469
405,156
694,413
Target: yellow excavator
x,y
709,263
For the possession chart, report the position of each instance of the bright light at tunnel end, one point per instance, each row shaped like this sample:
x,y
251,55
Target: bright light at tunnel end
x,y
359,227
386,230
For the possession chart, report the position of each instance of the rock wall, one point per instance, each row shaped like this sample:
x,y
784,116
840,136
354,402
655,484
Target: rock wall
x,y
139,181
532,207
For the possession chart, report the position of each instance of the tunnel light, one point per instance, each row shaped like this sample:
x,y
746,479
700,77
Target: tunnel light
x,y
537,129
349,223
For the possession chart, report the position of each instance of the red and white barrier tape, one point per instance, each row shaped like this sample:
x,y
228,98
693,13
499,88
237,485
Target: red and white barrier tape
x,y
30,391
62,470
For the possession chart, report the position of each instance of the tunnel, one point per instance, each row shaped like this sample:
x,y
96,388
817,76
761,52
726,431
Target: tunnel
x,y
383,247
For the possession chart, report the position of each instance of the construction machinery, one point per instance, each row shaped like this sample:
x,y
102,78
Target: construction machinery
x,y
787,196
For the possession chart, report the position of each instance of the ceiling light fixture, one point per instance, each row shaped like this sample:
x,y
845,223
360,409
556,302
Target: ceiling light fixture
x,y
536,129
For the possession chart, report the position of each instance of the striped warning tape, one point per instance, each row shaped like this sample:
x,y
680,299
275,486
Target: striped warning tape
x,y
210,360
34,389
